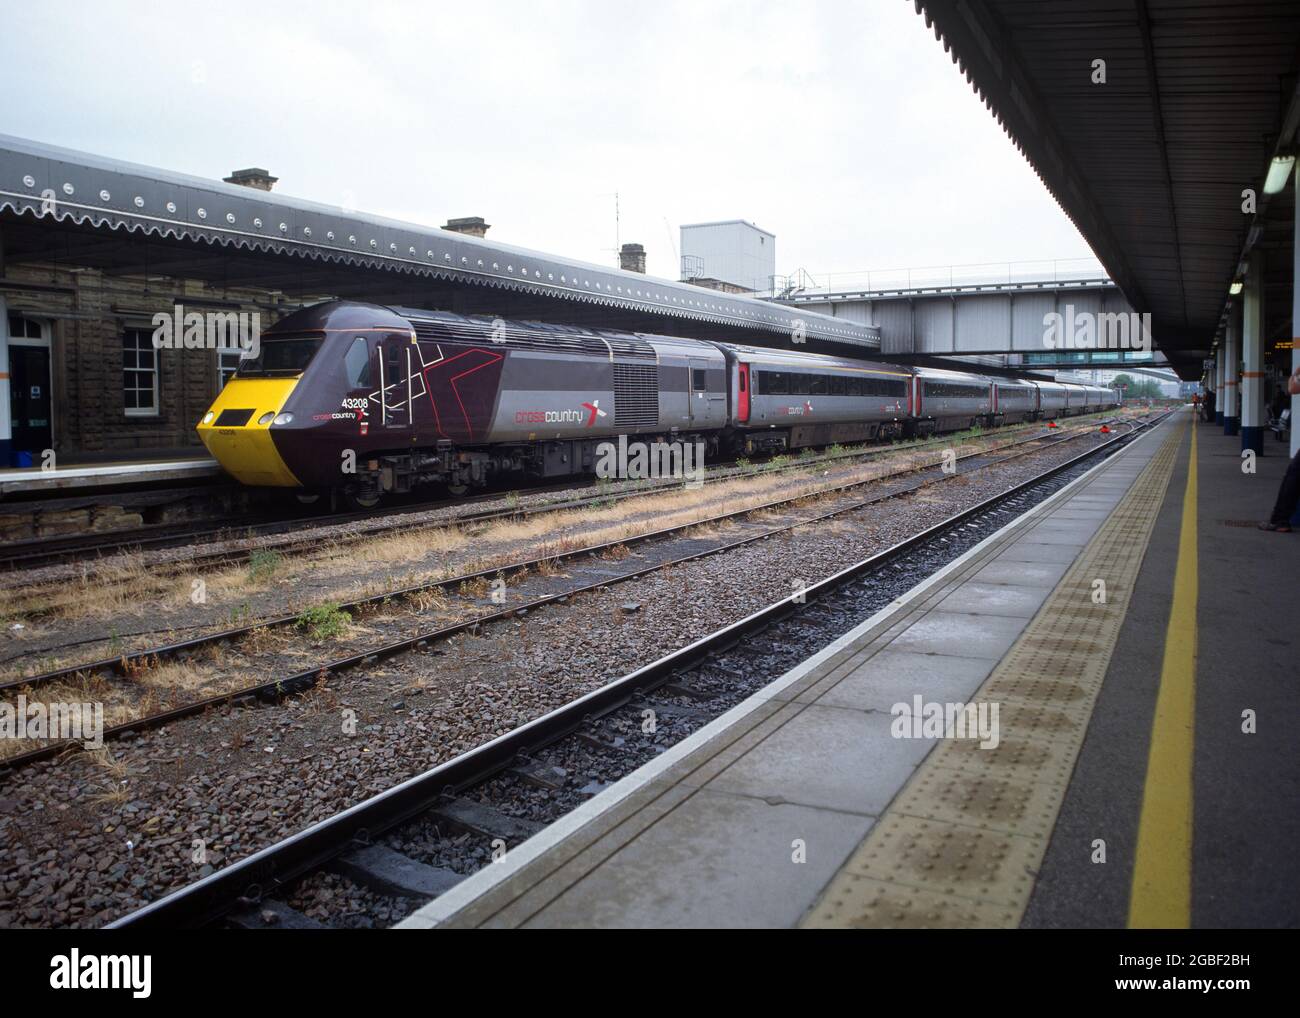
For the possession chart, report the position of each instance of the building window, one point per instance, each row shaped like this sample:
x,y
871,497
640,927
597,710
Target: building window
x,y
139,373
227,365
24,328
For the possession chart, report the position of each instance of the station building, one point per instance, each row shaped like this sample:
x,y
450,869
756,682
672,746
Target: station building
x,y
91,249
85,378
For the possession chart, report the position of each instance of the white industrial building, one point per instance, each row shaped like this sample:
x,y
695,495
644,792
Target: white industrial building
x,y
731,252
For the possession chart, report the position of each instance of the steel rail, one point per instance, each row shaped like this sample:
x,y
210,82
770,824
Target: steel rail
x,y
126,664
40,552
275,689
258,876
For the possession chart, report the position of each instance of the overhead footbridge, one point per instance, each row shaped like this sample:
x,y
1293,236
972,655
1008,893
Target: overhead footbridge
x,y
1168,133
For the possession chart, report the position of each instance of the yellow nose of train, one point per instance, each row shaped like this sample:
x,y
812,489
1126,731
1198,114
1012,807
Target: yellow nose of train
x,y
237,431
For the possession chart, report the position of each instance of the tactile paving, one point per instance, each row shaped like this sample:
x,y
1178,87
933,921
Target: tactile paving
x,y
960,844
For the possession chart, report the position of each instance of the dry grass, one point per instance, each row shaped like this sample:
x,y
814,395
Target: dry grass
x,y
146,691
116,794
113,768
430,600
548,567
128,590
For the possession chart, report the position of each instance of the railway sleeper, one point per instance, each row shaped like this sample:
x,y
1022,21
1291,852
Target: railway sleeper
x,y
679,687
385,871
486,821
599,742
675,711
272,914
540,775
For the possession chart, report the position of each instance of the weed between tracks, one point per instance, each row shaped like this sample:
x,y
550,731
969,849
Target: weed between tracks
x,y
324,622
131,596
152,686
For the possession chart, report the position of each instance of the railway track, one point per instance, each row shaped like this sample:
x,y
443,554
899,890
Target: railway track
x,y
93,551
683,684
42,552
129,667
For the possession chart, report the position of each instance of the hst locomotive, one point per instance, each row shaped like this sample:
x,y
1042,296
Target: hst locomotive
x,y
365,400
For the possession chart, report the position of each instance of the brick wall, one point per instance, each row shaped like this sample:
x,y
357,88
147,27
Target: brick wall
x,y
88,312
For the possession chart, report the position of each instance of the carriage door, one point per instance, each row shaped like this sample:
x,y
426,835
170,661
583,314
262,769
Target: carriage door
x,y
698,402
395,381
742,408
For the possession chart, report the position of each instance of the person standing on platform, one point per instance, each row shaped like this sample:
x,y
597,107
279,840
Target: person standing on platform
x,y
1289,494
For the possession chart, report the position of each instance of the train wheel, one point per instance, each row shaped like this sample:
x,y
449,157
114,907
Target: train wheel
x,y
367,500
308,499
456,490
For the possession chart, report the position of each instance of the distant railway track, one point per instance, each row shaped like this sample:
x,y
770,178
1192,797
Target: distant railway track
x,y
127,666
97,547
248,892
94,551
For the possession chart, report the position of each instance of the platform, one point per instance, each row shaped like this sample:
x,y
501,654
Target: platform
x,y
1121,790
88,476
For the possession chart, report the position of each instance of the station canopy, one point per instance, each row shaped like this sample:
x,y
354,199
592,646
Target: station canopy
x,y
78,209
1150,157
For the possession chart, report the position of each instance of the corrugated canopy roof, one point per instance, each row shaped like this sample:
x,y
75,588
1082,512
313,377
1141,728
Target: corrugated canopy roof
x,y
1150,165
79,208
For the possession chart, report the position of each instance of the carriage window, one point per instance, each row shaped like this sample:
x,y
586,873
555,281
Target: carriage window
x,y
357,363
743,375
800,385
956,390
697,379
837,386
775,383
817,386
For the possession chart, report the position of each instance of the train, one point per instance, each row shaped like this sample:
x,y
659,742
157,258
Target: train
x,y
365,401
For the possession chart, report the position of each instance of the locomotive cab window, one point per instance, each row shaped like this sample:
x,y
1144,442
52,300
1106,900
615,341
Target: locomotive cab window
x,y
281,356
394,364
357,363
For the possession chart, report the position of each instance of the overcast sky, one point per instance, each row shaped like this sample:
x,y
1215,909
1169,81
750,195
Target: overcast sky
x,y
843,128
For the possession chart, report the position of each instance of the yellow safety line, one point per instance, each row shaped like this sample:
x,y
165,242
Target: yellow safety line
x,y
1162,867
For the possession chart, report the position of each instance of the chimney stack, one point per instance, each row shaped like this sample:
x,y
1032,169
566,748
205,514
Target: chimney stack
x,y
254,176
631,258
472,226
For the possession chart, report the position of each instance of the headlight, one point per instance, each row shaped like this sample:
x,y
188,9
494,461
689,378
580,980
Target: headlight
x,y
207,418
284,419
266,417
